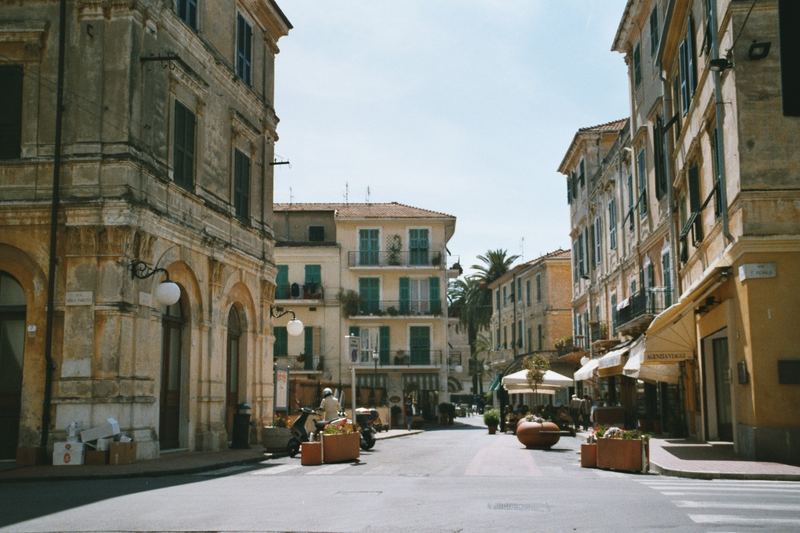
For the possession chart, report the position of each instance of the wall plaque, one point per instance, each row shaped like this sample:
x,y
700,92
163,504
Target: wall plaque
x,y
79,298
757,270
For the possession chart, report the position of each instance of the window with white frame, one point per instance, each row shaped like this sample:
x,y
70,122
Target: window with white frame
x,y
612,224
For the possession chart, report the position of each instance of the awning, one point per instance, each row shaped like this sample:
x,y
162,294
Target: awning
x,y
530,391
586,371
551,380
495,385
610,364
634,369
671,336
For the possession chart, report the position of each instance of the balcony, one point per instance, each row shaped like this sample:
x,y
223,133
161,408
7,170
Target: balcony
x,y
312,363
402,358
394,259
397,308
295,291
633,315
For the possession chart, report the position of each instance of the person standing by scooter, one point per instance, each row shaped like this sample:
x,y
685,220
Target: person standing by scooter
x,y
330,405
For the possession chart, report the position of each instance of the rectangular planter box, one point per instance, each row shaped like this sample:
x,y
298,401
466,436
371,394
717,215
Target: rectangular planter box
x,y
275,439
340,448
620,454
589,455
311,453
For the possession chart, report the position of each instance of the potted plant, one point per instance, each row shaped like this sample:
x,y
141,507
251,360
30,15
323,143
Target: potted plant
x,y
436,258
491,417
392,311
350,301
589,452
340,443
395,245
626,450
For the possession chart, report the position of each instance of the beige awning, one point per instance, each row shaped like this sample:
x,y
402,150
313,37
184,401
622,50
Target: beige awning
x,y
634,369
525,390
613,357
586,371
551,380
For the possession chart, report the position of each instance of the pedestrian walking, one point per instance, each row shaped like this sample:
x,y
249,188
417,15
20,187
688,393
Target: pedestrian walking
x,y
410,411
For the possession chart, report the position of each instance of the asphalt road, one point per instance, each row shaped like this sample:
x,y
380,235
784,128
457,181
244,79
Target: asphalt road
x,y
446,480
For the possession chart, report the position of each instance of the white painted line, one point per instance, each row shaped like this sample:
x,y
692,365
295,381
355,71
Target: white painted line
x,y
742,520
224,471
713,482
710,493
738,505
271,471
730,489
328,470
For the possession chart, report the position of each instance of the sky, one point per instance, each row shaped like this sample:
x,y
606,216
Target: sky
x,y
465,107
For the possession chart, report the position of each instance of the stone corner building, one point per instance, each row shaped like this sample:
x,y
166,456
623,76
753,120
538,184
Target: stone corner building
x,y
166,135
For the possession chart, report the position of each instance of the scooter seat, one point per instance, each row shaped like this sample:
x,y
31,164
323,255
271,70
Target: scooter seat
x,y
320,424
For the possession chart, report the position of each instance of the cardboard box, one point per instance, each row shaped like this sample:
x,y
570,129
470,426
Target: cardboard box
x,y
109,429
122,453
68,453
96,457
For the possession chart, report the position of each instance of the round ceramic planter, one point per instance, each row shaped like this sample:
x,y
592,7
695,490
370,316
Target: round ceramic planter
x,y
531,435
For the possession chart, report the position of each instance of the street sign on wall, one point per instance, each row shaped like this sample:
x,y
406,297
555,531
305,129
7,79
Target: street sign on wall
x,y
352,342
282,389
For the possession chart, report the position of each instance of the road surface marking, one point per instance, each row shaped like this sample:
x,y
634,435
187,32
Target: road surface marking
x,y
328,470
724,519
738,505
272,470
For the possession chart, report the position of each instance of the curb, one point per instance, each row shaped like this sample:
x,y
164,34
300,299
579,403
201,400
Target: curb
x,y
407,434
721,475
148,473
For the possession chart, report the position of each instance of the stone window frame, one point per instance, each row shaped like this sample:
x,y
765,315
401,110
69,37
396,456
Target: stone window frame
x,y
191,92
244,138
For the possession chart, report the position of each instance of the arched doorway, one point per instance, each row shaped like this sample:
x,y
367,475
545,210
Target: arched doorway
x,y
12,340
173,322
235,328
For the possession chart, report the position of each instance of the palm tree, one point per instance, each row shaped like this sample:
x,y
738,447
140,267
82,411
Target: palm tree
x,y
471,300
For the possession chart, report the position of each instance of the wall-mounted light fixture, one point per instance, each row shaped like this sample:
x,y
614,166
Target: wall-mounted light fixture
x,y
758,50
167,292
294,327
720,64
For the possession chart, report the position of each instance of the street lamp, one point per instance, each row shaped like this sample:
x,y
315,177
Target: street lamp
x,y
294,327
167,292
375,358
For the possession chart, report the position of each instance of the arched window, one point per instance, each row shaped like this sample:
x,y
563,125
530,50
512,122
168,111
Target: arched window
x,y
12,340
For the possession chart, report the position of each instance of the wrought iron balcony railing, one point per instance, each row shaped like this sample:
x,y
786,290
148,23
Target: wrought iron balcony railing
x,y
382,258
295,291
398,308
413,357
642,305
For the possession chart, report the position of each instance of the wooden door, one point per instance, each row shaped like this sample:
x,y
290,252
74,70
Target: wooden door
x,y
170,397
232,370
12,340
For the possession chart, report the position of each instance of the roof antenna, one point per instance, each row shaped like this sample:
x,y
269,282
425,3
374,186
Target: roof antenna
x,y
291,196
522,248
346,192
368,191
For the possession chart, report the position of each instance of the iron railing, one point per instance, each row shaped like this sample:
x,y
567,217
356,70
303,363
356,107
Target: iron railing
x,y
649,302
295,291
391,258
412,357
398,308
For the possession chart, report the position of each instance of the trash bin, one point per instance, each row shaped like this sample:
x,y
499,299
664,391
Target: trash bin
x,y
241,427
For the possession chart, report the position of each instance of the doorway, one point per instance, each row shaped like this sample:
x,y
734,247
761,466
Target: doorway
x,y
170,398
12,340
719,419
232,369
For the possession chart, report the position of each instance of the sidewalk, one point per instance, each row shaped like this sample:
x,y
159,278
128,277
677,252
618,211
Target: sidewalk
x,y
168,464
703,460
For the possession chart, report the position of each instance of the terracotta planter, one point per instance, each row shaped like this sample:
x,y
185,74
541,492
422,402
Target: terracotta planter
x,y
620,454
589,455
311,453
537,435
492,430
340,448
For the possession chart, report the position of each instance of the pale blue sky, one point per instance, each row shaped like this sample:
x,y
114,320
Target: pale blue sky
x,y
460,106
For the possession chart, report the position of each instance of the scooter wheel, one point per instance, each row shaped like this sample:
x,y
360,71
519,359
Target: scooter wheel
x,y
293,448
368,441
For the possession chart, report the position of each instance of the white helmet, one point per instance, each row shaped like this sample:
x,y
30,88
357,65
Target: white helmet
x,y
326,392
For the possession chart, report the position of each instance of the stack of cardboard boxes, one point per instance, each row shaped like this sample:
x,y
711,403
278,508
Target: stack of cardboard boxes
x,y
100,445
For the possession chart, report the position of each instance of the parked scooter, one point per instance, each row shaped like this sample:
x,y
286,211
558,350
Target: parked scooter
x,y
366,419
308,426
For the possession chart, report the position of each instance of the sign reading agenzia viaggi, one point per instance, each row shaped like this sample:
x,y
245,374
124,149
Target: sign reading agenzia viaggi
x,y
666,357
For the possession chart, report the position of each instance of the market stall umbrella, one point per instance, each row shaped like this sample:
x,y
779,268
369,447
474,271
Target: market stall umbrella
x,y
552,380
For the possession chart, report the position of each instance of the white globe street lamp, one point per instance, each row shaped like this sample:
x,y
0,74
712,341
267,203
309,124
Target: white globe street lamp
x,y
167,292
294,327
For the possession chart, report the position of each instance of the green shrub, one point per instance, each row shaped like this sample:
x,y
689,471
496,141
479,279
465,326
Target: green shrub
x,y
491,417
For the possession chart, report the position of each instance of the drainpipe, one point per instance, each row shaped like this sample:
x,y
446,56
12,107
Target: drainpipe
x,y
720,109
55,200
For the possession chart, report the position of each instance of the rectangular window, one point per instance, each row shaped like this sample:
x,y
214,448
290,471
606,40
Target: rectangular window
x,y
641,170
789,18
612,224
653,31
505,295
505,337
694,202
244,50
539,338
281,341
513,334
569,189
666,271
316,233
715,166
183,147
418,247
529,339
658,158
687,67
241,185
519,290
637,66
630,201
592,249
519,329
528,291
497,300
369,293
187,12
582,173
10,111
538,288
581,255
313,274
282,282
308,348
575,265
368,246
598,249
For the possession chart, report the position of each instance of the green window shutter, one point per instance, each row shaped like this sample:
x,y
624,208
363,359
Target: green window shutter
x,y
420,345
308,348
282,282
405,296
436,303
384,344
313,274
281,341
10,111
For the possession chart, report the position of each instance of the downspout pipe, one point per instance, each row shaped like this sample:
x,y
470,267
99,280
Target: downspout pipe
x,y
56,199
720,109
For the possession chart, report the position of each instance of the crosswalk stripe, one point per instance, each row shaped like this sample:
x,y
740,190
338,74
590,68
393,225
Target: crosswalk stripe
x,y
328,470
737,505
792,495
724,519
729,489
719,482
271,471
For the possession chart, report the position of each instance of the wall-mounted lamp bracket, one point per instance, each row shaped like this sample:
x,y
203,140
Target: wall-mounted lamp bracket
x,y
141,270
